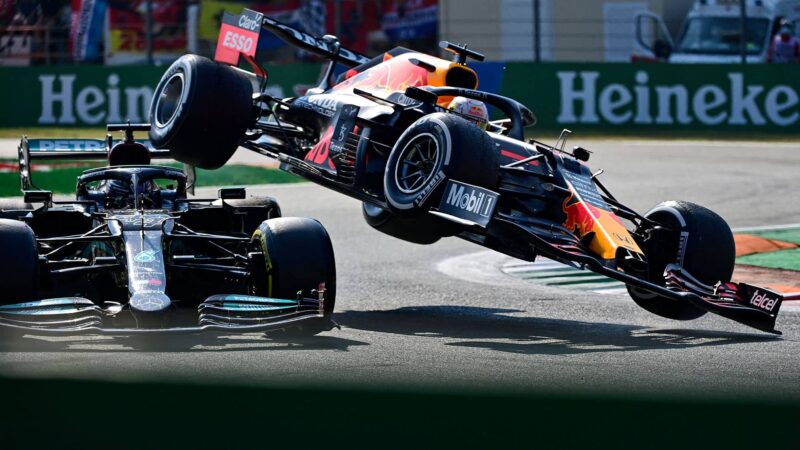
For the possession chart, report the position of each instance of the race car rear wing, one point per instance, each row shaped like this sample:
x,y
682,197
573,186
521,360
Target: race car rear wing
x,y
81,149
239,35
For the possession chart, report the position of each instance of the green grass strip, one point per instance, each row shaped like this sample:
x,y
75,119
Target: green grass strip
x,y
783,259
789,235
62,181
55,132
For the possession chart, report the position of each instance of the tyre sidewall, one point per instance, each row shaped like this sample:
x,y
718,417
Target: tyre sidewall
x,y
434,126
702,244
213,113
466,154
298,255
706,247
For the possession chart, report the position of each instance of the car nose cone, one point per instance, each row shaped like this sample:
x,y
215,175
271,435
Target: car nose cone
x,y
149,302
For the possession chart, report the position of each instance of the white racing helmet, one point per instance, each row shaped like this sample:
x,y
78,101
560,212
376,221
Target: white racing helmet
x,y
473,110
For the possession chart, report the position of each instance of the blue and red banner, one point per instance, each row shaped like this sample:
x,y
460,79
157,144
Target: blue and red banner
x,y
406,20
86,32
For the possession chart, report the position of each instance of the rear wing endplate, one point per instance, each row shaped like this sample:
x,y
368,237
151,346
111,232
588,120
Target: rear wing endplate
x,y
239,35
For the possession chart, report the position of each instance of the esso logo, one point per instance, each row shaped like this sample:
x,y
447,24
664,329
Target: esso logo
x,y
237,42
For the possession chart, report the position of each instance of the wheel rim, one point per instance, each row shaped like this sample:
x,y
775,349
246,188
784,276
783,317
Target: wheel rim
x,y
169,99
417,163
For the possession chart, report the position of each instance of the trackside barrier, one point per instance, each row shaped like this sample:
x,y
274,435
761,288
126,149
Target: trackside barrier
x,y
698,98
84,96
712,100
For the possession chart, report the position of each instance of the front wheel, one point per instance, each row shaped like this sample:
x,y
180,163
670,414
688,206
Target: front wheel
x,y
432,150
298,257
17,262
693,237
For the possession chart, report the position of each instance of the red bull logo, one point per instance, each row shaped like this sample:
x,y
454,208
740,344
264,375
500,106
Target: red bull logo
x,y
580,216
395,74
609,233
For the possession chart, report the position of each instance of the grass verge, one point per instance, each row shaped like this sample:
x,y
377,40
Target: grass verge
x,y
54,132
782,259
62,180
546,135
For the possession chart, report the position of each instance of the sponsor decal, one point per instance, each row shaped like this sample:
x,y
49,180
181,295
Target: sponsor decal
x,y
394,75
145,257
322,105
66,145
587,98
345,123
91,104
319,154
468,202
682,240
580,216
764,300
149,301
238,35
428,190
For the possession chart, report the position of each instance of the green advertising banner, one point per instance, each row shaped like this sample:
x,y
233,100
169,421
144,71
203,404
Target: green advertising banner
x,y
66,96
614,98
704,98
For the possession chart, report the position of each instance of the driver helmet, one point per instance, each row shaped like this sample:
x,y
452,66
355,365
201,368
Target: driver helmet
x,y
119,194
473,110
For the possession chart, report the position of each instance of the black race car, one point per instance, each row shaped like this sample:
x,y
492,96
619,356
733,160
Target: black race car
x,y
383,132
133,253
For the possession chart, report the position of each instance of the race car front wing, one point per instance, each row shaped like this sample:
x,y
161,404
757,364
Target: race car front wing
x,y
753,306
220,313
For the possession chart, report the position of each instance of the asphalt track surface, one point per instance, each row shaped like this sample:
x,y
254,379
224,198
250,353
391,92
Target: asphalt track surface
x,y
406,323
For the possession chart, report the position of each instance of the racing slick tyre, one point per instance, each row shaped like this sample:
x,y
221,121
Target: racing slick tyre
x,y
200,110
424,230
17,262
13,208
432,150
298,256
695,238
255,210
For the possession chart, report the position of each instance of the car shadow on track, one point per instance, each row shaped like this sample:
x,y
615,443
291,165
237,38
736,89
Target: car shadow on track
x,y
493,329
174,343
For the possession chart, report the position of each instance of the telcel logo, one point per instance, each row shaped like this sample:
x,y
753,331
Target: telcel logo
x,y
470,200
763,301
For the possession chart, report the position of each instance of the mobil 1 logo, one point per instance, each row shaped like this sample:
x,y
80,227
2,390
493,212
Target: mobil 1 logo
x,y
468,202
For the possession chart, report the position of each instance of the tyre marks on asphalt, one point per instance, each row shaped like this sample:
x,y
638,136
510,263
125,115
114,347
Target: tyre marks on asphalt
x,y
552,273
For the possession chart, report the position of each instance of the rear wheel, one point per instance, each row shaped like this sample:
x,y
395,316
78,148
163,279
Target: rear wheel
x,y
200,111
17,262
298,256
693,237
432,150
